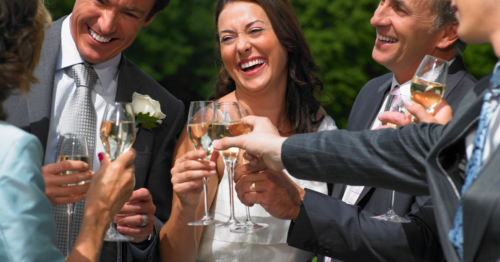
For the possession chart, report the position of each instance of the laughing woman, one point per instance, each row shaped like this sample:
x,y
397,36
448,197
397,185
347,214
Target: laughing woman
x,y
267,68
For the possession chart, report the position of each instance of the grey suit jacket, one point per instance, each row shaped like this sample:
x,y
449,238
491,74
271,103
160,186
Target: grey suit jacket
x,y
154,148
349,228
417,160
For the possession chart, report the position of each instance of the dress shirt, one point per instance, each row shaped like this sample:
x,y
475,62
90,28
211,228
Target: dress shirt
x,y
493,138
104,91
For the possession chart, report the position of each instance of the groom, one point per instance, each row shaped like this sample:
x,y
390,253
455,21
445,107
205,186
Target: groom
x,y
96,34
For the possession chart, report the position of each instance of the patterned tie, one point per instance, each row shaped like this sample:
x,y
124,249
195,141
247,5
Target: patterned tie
x,y
78,118
475,163
396,101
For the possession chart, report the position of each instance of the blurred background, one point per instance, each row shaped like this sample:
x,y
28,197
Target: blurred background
x,y
178,49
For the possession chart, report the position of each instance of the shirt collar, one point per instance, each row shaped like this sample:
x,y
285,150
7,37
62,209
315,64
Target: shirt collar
x,y
69,56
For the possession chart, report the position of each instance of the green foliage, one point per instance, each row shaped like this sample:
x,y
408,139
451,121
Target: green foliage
x,y
146,120
179,51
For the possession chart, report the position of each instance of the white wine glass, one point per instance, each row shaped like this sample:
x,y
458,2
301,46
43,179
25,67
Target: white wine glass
x,y
117,136
199,129
249,226
390,215
227,123
429,82
72,147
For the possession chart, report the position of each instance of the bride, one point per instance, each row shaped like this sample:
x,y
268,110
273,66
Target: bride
x,y
267,68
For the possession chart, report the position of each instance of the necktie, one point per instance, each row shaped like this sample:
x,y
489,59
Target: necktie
x,y
475,163
395,100
78,118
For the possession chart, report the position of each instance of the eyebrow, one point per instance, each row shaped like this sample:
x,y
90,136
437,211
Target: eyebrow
x,y
400,2
246,27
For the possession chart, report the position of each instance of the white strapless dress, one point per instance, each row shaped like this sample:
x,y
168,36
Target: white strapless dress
x,y
218,244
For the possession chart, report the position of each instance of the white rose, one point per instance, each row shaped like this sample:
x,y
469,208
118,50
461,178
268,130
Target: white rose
x,y
145,104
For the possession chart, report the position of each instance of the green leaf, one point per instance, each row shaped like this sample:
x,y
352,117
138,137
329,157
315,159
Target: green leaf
x,y
146,120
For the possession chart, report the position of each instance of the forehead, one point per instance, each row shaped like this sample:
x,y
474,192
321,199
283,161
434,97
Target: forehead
x,y
138,5
239,14
417,5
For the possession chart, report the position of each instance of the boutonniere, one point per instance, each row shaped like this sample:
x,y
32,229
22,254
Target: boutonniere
x,y
147,111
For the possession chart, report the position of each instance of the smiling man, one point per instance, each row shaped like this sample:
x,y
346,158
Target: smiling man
x,y
458,163
406,31
83,68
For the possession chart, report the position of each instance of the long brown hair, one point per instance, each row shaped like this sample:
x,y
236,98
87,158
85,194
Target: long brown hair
x,y
22,25
301,105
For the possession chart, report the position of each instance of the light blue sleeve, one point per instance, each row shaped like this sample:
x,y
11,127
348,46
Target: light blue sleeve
x,y
27,230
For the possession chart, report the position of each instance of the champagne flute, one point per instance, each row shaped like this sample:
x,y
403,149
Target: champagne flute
x,y
117,136
429,82
199,130
227,123
72,147
390,215
249,225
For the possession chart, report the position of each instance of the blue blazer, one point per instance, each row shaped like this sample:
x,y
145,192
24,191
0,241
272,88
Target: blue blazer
x,y
27,230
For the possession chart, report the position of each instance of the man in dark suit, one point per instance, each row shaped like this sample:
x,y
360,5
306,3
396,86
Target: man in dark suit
x,y
345,218
96,33
458,164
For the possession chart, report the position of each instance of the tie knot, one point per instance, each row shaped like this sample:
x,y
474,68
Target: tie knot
x,y
84,75
395,90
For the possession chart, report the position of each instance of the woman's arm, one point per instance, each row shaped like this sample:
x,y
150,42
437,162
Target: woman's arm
x,y
178,241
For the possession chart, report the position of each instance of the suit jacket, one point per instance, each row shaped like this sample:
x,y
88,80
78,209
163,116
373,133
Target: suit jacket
x,y
154,148
349,228
417,160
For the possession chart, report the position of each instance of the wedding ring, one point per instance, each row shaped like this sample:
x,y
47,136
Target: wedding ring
x,y
253,187
144,220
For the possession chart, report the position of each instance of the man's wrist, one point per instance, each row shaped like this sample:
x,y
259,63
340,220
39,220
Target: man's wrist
x,y
145,244
296,212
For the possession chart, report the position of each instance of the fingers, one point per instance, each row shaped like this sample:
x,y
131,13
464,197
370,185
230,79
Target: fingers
x,y
130,225
442,113
141,195
228,142
126,159
58,193
68,165
248,168
395,118
130,218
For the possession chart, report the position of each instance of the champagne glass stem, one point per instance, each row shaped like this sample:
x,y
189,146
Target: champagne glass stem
x,y
118,251
392,199
230,172
249,219
71,211
205,193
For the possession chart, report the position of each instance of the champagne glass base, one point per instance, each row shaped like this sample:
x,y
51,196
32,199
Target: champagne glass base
x,y
249,228
231,222
205,221
391,216
114,236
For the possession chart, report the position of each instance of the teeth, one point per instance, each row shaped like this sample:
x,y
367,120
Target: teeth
x,y
387,39
252,63
97,37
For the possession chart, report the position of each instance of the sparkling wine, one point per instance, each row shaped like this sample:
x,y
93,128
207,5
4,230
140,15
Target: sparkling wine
x,y
117,137
221,130
428,94
85,159
201,137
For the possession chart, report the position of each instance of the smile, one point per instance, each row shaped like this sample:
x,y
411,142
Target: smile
x,y
251,64
98,38
385,39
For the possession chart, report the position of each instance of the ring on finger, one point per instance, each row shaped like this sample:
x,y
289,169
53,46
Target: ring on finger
x,y
144,220
253,187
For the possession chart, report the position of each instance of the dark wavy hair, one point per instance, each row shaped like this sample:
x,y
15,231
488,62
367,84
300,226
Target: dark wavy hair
x,y
22,25
301,105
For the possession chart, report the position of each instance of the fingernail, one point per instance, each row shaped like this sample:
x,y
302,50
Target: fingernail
x,y
215,144
212,172
408,103
211,165
101,156
119,228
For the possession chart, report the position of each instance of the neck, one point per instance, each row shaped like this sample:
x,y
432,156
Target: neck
x,y
270,104
495,42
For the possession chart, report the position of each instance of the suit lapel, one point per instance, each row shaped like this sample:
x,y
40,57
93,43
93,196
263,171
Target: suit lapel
x,y
479,201
127,84
375,107
40,97
456,73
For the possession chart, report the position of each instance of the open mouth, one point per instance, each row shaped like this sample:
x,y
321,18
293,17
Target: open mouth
x,y
98,38
252,64
385,39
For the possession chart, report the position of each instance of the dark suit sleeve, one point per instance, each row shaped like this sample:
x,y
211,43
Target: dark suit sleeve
x,y
327,226
389,158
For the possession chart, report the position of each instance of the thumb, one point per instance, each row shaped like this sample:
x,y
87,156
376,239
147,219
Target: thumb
x,y
228,142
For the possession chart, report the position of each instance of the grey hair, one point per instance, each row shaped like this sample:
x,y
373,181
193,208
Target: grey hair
x,y
444,15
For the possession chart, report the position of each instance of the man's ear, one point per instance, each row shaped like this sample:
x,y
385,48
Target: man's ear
x,y
149,20
449,35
